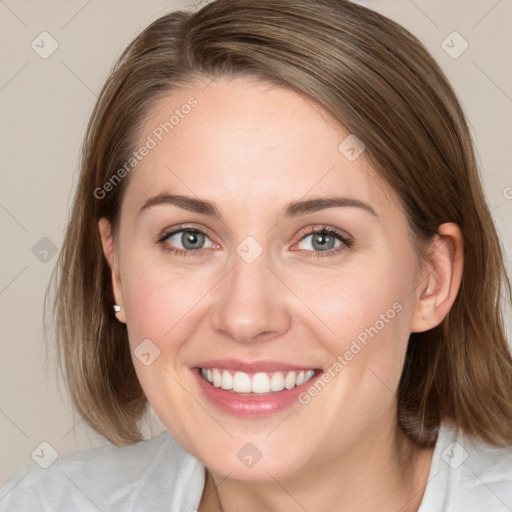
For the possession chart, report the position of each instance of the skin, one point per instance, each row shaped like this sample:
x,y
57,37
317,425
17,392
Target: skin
x,y
251,148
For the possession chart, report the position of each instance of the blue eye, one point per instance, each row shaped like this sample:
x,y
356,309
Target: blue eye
x,y
325,242
191,240
185,242
320,242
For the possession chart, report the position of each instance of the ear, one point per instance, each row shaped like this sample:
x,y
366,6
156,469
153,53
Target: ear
x,y
442,275
107,241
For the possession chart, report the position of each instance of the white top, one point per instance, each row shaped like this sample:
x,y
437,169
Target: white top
x,y
158,475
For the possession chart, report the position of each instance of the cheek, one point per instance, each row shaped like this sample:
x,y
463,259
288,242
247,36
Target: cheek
x,y
159,302
365,328
359,304
362,317
161,309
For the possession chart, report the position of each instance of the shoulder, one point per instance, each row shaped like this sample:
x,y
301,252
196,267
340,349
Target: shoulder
x,y
468,474
141,476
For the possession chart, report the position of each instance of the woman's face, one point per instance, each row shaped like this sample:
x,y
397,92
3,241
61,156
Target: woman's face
x,y
233,284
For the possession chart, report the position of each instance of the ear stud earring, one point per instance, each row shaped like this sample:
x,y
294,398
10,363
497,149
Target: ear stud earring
x,y
117,308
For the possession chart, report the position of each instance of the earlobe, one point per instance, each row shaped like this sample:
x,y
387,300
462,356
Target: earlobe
x,y
442,275
107,242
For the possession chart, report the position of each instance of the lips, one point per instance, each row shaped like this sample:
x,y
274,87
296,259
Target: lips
x,y
252,389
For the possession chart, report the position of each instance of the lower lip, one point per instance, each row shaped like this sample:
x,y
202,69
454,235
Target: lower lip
x,y
254,405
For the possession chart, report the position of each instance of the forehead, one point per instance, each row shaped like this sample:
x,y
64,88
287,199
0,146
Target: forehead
x,y
252,143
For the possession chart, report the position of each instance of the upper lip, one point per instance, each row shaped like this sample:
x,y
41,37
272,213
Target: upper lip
x,y
252,366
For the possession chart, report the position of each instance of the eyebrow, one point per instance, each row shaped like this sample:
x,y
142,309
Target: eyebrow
x,y
294,209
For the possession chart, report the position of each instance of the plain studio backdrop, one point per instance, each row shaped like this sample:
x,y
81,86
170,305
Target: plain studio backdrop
x,y
55,58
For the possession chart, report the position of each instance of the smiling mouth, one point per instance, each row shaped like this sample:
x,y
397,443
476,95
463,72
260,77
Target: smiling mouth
x,y
255,383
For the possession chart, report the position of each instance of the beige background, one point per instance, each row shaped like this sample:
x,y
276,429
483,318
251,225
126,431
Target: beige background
x,y
44,107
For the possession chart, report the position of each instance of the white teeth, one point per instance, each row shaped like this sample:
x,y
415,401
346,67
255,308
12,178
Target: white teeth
x,y
241,382
216,378
277,382
289,381
227,380
261,382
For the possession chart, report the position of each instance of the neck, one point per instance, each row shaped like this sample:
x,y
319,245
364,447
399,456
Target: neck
x,y
389,473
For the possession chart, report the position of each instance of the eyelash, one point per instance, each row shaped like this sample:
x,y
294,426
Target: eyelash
x,y
346,243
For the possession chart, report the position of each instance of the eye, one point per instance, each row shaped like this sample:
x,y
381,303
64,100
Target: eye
x,y
186,241
324,240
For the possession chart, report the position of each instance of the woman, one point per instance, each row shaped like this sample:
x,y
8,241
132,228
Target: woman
x,y
280,242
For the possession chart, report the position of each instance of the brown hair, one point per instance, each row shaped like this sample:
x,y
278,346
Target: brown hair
x,y
380,83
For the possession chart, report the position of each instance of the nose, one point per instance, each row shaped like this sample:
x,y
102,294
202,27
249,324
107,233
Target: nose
x,y
252,303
